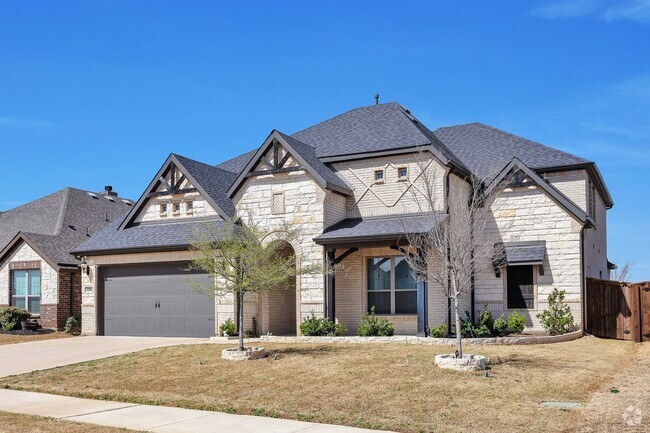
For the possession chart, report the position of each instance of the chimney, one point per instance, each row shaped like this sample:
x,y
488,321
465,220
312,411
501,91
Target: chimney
x,y
108,190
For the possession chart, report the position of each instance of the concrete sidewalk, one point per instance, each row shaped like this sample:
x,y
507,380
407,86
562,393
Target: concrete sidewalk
x,y
154,418
40,355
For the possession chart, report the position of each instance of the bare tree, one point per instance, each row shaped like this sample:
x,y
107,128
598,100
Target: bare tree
x,y
461,240
621,274
244,258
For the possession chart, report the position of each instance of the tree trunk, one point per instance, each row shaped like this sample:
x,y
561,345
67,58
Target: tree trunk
x,y
459,336
240,319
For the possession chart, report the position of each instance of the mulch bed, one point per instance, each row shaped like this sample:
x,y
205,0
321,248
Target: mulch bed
x,y
26,332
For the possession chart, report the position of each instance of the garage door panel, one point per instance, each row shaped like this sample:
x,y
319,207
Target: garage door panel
x,y
156,300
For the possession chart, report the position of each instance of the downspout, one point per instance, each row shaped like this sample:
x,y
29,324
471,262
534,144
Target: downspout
x,y
451,169
583,289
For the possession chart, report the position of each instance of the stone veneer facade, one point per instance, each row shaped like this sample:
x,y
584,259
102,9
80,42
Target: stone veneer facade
x,y
60,290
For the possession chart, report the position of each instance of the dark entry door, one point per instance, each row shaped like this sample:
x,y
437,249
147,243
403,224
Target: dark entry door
x,y
155,300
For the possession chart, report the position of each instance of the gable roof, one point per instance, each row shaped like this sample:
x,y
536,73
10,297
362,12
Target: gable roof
x,y
302,153
237,164
209,180
485,150
569,206
57,223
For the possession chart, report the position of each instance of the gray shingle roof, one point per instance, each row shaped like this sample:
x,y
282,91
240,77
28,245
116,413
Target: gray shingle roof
x,y
368,129
309,155
58,223
167,235
214,181
237,164
485,150
379,228
518,253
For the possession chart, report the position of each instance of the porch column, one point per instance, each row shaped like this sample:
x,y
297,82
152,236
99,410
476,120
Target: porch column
x,y
422,310
330,286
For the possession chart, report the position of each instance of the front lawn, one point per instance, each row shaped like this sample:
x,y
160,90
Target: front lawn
x,y
392,386
11,422
11,337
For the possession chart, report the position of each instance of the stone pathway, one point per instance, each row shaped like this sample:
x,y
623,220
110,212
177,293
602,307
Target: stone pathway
x,y
627,409
160,419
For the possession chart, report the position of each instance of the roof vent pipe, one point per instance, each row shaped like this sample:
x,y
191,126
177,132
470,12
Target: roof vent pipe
x,y
376,98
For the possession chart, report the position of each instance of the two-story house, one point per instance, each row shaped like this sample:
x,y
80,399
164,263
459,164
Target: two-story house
x,y
353,185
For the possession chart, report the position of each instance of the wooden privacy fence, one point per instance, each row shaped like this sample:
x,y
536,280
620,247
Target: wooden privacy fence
x,y
618,310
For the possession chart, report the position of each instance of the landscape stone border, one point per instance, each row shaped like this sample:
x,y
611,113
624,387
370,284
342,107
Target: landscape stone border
x,y
407,339
249,353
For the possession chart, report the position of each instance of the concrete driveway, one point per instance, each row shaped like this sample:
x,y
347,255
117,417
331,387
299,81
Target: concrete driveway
x,y
40,355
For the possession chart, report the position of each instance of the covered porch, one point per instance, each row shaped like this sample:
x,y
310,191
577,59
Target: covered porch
x,y
371,270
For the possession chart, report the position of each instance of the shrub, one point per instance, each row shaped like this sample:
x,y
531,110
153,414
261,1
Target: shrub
x,y
516,323
471,330
438,331
372,326
227,328
12,316
485,321
71,324
319,326
500,326
557,318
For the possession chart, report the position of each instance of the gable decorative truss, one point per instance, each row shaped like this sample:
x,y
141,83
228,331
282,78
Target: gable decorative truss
x,y
171,176
304,157
524,176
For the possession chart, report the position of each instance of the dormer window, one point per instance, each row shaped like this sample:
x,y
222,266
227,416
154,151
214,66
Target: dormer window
x,y
379,176
189,207
177,208
402,173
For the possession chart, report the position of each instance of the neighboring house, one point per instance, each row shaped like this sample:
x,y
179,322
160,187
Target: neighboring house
x,y
353,186
37,271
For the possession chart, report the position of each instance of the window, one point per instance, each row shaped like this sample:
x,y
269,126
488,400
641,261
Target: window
x,y
521,287
163,209
177,208
392,289
277,207
26,290
189,206
379,176
402,173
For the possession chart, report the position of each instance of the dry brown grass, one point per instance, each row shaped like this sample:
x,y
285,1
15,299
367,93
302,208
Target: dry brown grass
x,y
394,387
19,338
12,423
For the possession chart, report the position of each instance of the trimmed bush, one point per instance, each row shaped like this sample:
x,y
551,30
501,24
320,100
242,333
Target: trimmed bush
x,y
557,318
372,326
438,331
227,328
516,323
485,321
320,326
10,317
500,326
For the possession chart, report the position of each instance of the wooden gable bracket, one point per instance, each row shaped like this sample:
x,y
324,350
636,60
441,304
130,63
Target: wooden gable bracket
x,y
277,165
176,178
342,257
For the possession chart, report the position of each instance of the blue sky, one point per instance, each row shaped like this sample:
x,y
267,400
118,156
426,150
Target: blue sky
x,y
99,92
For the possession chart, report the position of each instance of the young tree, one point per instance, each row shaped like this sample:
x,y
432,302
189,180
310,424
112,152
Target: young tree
x,y
461,242
244,258
621,274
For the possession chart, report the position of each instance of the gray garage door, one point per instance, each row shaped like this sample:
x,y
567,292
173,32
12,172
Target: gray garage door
x,y
155,300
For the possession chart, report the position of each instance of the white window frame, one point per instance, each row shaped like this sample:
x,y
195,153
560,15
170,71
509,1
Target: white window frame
x,y
28,283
